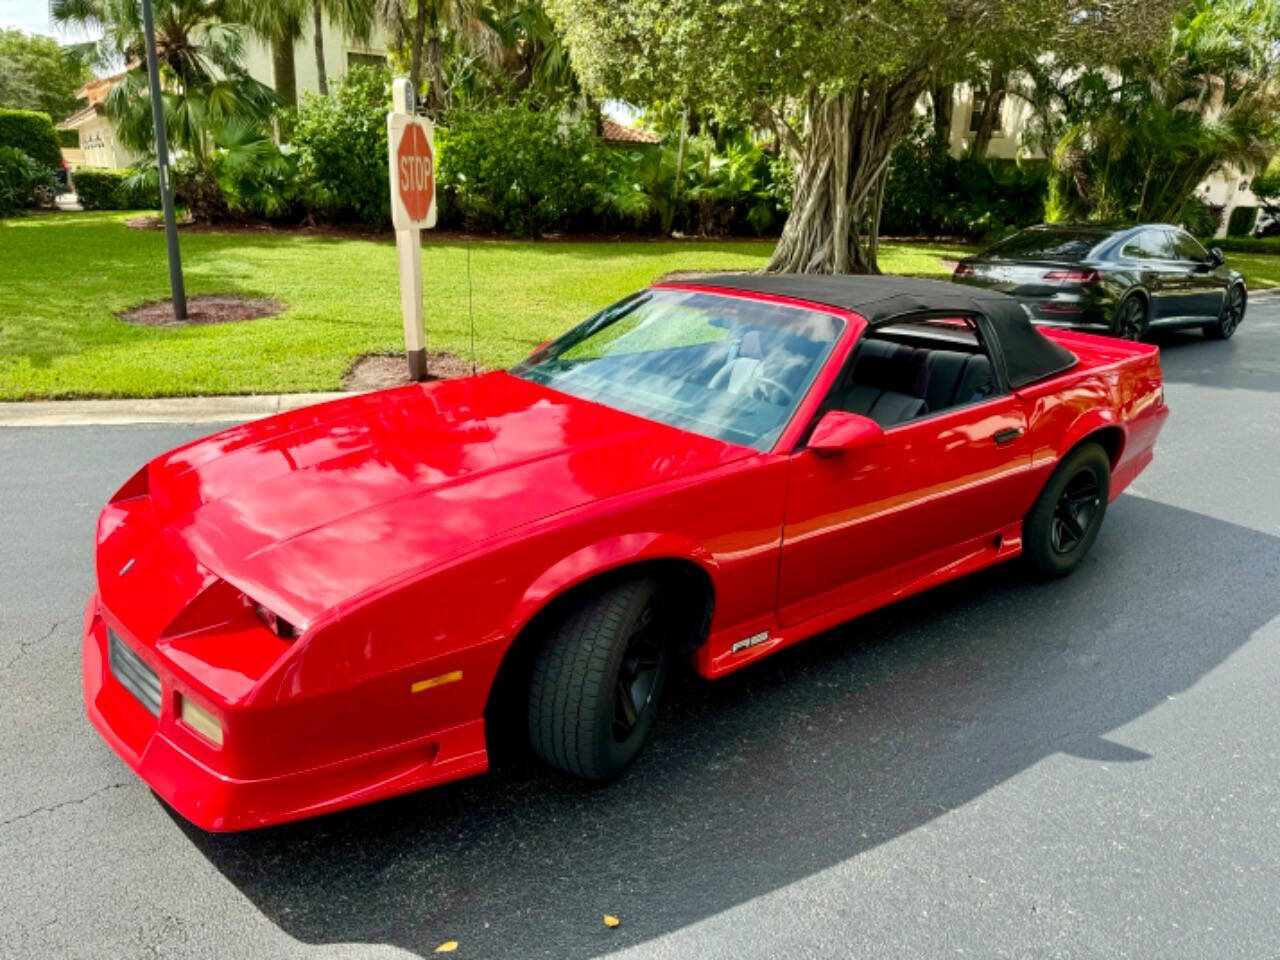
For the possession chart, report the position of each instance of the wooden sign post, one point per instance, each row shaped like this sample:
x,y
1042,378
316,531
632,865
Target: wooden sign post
x,y
411,155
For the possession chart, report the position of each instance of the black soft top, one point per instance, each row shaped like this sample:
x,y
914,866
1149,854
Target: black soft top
x,y
1023,351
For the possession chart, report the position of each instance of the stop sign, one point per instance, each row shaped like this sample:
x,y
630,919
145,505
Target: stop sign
x,y
415,172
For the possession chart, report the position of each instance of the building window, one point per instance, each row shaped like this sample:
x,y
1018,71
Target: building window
x,y
1244,185
978,108
376,60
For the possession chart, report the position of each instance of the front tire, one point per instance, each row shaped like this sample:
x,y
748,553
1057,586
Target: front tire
x,y
1066,517
597,680
1229,319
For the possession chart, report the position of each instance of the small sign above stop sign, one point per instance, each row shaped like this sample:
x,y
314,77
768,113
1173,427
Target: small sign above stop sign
x,y
413,173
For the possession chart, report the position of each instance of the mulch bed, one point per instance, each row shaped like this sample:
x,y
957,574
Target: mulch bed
x,y
202,311
379,371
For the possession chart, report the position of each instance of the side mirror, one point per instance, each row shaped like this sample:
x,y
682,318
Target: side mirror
x,y
839,432
1215,256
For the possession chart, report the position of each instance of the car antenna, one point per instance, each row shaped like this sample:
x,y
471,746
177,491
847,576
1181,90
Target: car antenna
x,y
471,312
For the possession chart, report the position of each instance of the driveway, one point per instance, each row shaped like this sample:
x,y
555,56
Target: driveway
x,y
998,768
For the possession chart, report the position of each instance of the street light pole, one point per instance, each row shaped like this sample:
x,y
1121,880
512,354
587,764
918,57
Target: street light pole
x,y
162,164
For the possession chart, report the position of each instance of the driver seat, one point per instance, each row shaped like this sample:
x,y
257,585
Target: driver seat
x,y
743,365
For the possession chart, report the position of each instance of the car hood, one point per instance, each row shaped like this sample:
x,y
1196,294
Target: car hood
x,y
305,510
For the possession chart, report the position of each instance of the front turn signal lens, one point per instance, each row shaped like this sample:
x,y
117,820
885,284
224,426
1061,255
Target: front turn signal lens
x,y
200,720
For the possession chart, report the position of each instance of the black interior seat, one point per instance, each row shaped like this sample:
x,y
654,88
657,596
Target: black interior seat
x,y
884,384
951,378
977,381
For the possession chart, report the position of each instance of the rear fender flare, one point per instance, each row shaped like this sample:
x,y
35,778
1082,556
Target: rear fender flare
x,y
1090,423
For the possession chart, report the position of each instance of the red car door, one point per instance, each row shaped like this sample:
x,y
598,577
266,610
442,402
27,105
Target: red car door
x,y
942,486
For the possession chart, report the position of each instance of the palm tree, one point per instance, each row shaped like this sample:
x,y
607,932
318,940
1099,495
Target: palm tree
x,y
208,99
354,18
280,24
428,28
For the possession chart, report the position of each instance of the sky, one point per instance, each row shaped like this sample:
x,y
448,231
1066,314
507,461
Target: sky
x,y
33,17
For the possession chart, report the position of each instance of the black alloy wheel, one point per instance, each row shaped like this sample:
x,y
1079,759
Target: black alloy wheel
x,y
1130,321
1074,512
1229,320
1064,521
638,674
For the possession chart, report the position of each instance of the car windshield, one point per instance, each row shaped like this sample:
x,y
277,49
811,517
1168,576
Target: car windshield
x,y
715,364
1056,245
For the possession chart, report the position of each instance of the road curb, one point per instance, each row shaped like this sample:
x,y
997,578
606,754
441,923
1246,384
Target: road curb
x,y
79,413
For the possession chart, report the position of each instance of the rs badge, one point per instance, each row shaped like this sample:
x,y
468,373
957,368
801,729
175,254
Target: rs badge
x,y
749,642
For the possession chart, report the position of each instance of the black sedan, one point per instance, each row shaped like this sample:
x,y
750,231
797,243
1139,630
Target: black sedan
x,y
1122,280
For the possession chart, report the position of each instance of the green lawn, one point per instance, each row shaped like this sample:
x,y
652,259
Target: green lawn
x,y
1260,270
63,277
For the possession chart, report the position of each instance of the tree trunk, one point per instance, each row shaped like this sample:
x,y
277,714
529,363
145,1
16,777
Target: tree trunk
x,y
317,20
997,87
839,169
283,73
416,40
437,95
943,110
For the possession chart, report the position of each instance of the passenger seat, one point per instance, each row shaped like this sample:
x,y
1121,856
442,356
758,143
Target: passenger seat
x,y
952,378
883,384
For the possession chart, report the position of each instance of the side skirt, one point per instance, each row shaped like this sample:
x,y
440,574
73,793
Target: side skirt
x,y
725,651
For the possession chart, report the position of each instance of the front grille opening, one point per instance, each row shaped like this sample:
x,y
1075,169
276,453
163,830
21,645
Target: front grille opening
x,y
132,673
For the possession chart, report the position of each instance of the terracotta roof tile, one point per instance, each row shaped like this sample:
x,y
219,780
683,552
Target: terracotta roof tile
x,y
613,132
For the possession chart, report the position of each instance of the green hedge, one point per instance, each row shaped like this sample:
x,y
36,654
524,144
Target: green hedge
x,y
1269,245
103,189
32,133
341,145
24,183
69,138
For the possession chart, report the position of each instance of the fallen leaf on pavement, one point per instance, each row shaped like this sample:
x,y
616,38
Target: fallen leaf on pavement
x,y
610,920
447,947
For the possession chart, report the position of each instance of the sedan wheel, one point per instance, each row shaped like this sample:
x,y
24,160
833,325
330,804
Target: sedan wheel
x,y
1130,321
1229,320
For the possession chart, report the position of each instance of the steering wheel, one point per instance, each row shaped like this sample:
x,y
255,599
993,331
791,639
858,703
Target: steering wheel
x,y
771,391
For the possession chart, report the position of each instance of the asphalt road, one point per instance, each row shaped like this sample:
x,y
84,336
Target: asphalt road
x,y
997,769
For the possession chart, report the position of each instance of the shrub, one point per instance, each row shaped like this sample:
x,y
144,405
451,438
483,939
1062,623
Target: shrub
x,y
99,188
68,138
518,169
32,133
929,192
341,145
1270,245
1200,217
1241,221
22,181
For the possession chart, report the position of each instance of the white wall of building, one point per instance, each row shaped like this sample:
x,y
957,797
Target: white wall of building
x,y
339,53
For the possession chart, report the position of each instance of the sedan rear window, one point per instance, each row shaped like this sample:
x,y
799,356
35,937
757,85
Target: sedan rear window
x,y
1054,245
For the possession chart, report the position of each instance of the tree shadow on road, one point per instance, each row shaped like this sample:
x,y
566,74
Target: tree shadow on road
x,y
802,762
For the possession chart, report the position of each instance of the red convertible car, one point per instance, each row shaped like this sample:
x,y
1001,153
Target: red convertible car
x,y
326,607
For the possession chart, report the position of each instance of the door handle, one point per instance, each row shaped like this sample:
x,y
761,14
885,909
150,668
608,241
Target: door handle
x,y
1004,437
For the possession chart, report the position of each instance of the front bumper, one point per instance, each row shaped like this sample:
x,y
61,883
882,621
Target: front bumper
x,y
163,753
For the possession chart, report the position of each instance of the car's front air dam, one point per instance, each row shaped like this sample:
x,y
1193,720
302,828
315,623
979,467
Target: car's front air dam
x,y
216,802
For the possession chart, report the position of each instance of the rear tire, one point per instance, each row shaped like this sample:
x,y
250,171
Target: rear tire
x,y
1229,320
1066,517
1129,322
597,680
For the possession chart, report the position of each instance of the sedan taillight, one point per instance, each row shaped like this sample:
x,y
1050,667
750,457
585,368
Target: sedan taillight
x,y
963,270
1073,276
